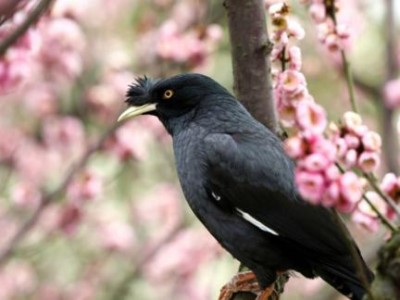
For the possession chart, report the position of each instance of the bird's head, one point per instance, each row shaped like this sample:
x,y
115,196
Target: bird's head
x,y
171,97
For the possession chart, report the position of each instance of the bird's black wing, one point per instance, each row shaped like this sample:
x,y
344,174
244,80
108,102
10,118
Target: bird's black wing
x,y
253,175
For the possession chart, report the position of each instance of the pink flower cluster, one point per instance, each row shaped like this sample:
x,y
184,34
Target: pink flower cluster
x,y
296,106
317,176
61,55
391,186
17,63
87,186
366,216
357,145
334,36
189,47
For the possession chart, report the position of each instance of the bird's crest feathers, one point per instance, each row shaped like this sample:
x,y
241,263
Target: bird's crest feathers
x,y
139,88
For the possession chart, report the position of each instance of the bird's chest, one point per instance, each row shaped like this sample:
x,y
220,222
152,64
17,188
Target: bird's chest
x,y
191,167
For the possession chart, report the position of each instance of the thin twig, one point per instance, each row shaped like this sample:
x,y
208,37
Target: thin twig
x,y
48,198
331,11
349,81
381,217
384,196
24,26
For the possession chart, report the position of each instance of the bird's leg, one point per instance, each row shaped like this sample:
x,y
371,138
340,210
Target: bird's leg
x,y
241,282
266,293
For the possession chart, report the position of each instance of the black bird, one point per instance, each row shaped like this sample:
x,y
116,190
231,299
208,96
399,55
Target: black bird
x,y
239,182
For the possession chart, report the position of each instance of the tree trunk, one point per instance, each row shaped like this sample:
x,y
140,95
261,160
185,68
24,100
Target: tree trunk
x,y
389,133
251,47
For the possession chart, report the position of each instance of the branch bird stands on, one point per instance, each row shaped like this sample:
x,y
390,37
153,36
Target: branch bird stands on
x,y
239,182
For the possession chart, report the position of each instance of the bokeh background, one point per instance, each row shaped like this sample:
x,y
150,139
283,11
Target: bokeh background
x,y
91,209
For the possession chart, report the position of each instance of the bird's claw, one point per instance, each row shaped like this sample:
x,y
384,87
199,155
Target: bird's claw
x,y
241,282
245,282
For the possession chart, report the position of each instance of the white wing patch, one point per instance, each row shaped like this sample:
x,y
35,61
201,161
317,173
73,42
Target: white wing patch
x,y
255,222
215,196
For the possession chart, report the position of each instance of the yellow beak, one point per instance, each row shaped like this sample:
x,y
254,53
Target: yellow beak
x,y
134,111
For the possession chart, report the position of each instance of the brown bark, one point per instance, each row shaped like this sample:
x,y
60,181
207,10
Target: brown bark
x,y
250,48
389,134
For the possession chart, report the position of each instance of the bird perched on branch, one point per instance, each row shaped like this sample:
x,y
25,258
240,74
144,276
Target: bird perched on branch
x,y
239,182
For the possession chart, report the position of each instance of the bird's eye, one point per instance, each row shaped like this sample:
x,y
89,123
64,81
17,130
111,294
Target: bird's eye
x,y
168,94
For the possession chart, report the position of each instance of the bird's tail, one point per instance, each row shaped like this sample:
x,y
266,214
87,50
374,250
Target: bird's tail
x,y
345,279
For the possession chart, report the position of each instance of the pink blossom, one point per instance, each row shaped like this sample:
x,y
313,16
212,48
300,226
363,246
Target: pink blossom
x,y
310,185
333,130
369,161
392,93
342,31
26,195
70,217
160,209
360,130
325,147
186,47
88,185
351,190
352,141
311,117
301,94
294,147
10,140
372,141
351,120
64,44
278,9
130,140
350,158
287,115
295,30
41,100
317,12
195,247
390,185
333,42
16,66
332,173
215,32
116,236
281,39
63,133
314,162
17,280
103,98
292,81
28,162
341,147
331,195
294,56
365,216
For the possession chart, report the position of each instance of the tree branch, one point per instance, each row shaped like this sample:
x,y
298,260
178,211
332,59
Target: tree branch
x,y
48,198
250,48
24,26
389,134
